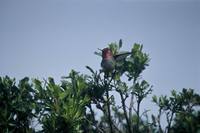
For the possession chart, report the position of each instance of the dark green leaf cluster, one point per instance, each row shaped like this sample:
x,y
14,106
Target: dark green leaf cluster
x,y
17,105
137,62
141,90
57,108
63,106
74,105
181,111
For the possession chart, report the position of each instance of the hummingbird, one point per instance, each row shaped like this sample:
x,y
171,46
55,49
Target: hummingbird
x,y
110,61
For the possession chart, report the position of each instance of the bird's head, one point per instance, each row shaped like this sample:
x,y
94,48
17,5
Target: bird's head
x,y
107,53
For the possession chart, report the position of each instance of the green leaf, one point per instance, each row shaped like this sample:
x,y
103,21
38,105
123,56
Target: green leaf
x,y
154,98
120,43
91,70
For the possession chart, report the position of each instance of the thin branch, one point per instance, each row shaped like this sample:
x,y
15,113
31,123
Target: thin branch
x,y
138,116
131,104
170,121
92,113
109,112
99,129
117,128
144,113
125,112
159,125
106,85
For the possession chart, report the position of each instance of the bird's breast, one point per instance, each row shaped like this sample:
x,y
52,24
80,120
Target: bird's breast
x,y
108,64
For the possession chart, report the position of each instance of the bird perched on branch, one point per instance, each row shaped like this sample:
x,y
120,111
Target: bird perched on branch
x,y
110,61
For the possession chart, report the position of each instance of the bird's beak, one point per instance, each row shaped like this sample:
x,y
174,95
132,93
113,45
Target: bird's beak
x,y
100,49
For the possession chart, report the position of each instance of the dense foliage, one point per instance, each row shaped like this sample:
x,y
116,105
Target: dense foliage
x,y
100,102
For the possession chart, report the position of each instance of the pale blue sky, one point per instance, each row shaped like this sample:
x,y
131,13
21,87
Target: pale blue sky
x,y
41,38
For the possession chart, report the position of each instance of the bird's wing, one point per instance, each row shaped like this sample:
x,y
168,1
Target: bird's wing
x,y
121,56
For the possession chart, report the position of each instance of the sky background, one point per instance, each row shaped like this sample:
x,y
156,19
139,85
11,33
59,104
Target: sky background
x,y
42,38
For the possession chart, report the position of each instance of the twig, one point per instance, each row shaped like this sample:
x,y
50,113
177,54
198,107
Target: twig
x,y
109,112
125,112
169,122
131,104
138,116
159,125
